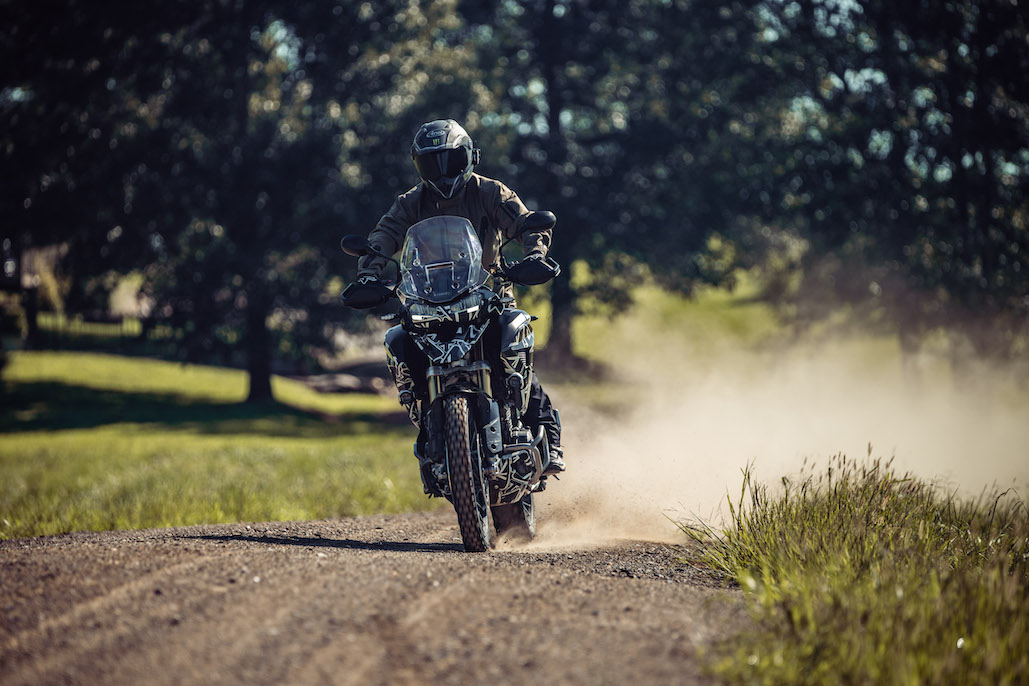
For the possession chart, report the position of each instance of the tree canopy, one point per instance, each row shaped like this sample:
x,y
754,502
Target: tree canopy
x,y
857,152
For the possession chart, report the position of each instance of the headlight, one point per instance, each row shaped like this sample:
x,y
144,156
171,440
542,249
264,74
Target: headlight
x,y
468,310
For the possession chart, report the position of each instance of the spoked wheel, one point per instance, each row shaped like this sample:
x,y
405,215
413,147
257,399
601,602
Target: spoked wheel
x,y
516,519
467,480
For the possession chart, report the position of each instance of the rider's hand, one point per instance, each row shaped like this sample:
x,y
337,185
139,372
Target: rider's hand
x,y
366,279
366,291
535,268
534,255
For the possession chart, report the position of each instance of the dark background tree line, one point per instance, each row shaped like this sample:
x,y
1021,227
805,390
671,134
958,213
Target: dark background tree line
x,y
856,153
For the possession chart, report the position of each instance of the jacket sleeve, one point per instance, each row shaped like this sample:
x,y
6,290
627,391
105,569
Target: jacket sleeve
x,y
387,237
510,212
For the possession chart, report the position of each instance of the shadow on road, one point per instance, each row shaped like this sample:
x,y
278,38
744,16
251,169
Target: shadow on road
x,y
344,543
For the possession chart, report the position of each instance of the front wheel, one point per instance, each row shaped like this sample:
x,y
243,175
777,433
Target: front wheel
x,y
470,495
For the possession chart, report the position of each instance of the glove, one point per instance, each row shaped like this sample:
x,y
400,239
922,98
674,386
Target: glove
x,y
366,292
535,268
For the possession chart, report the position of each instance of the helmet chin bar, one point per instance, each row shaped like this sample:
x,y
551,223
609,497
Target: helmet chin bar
x,y
453,187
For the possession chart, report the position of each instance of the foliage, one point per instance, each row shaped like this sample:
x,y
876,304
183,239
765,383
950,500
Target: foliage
x,y
861,153
861,576
629,132
93,442
208,147
903,161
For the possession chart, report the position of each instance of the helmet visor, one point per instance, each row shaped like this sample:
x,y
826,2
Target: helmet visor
x,y
442,164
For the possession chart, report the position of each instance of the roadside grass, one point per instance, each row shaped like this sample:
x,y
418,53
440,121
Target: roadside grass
x,y
95,442
859,575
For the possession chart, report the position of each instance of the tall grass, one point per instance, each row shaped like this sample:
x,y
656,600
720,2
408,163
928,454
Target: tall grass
x,y
861,576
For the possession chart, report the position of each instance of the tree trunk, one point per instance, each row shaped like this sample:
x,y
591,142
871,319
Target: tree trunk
x,y
562,296
259,353
30,298
562,301
240,183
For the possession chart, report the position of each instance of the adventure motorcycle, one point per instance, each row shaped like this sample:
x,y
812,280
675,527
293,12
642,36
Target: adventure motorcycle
x,y
462,361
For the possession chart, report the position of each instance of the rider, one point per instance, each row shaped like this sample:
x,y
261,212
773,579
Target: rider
x,y
445,158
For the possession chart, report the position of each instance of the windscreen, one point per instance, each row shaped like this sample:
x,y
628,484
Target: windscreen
x,y
441,260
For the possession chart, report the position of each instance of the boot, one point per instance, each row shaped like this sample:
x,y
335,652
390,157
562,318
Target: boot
x,y
556,465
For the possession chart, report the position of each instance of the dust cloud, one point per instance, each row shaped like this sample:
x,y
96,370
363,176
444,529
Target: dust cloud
x,y
701,419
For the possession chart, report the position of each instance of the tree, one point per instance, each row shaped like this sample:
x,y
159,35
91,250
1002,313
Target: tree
x,y
221,148
638,123
910,163
208,145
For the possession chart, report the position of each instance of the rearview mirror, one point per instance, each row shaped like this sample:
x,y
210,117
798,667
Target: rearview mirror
x,y
356,245
537,221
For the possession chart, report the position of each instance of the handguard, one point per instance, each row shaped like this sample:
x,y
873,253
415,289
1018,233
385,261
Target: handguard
x,y
363,296
533,271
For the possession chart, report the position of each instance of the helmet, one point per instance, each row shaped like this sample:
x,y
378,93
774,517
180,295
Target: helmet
x,y
444,156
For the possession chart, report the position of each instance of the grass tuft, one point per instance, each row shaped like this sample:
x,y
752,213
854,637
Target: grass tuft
x,y
859,575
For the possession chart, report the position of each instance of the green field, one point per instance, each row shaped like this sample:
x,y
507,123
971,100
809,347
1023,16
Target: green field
x,y
92,442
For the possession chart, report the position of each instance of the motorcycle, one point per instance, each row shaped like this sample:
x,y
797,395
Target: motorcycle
x,y
462,360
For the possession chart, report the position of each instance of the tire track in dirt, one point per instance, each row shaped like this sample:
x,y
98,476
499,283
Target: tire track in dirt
x,y
29,641
376,600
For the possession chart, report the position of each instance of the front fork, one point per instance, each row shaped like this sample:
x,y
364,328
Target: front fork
x,y
420,385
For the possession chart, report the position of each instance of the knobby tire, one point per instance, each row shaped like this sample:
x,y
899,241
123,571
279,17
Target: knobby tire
x,y
467,484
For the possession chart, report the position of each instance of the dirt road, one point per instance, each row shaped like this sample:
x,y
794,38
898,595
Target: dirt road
x,y
376,600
